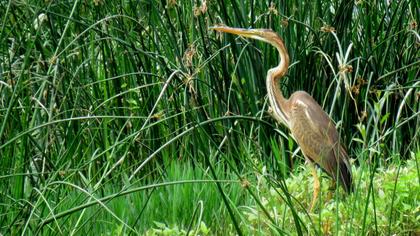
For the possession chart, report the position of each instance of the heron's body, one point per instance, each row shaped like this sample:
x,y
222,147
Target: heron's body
x,y
318,138
310,126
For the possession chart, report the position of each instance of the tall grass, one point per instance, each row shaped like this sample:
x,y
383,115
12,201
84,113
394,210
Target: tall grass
x,y
103,104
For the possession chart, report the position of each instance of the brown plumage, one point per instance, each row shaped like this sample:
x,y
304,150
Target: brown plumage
x,y
318,138
310,126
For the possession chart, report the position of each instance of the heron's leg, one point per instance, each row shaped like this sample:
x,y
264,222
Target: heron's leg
x,y
331,190
316,186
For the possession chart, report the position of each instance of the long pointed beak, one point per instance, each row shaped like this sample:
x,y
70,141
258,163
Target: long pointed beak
x,y
249,33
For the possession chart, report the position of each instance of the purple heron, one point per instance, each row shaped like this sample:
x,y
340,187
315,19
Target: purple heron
x,y
310,126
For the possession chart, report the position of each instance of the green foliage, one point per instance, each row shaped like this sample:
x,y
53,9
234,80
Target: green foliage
x,y
394,210
163,230
104,104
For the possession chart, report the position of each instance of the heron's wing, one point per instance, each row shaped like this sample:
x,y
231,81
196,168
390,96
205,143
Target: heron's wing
x,y
310,122
317,136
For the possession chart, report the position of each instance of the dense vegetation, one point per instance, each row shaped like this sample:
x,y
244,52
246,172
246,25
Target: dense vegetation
x,y
131,117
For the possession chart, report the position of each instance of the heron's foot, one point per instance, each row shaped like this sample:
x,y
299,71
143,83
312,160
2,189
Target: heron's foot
x,y
331,190
329,196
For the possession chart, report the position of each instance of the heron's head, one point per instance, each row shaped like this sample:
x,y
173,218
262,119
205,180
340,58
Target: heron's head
x,y
265,35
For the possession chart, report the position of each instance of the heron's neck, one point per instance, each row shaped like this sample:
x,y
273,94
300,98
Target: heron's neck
x,y
278,103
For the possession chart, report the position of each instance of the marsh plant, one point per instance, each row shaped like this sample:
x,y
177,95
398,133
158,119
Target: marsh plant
x,y
131,117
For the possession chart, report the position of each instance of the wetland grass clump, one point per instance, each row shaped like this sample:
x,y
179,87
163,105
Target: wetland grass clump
x,y
132,117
